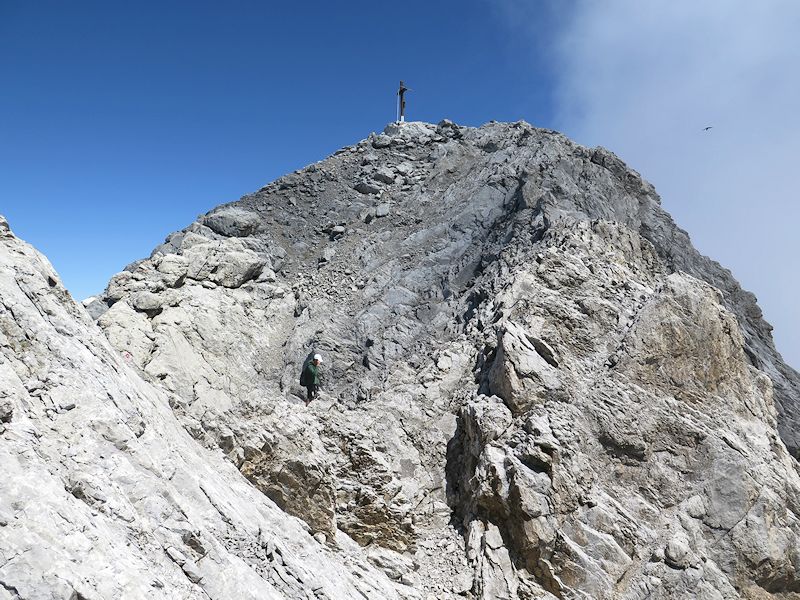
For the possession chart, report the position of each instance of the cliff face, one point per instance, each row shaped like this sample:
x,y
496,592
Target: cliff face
x,y
534,386
104,495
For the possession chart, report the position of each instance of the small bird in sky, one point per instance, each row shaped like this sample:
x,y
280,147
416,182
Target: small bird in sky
x,y
707,128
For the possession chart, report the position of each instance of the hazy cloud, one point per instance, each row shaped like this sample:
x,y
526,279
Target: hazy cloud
x,y
643,78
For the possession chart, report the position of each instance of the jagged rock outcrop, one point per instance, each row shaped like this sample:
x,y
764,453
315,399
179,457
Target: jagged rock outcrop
x,y
534,387
105,495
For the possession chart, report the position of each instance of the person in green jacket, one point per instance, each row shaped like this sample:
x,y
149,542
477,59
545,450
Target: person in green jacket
x,y
309,378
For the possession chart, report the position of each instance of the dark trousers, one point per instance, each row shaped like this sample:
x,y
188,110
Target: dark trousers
x,y
311,391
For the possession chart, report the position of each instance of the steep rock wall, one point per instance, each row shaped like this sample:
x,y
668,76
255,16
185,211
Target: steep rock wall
x,y
534,385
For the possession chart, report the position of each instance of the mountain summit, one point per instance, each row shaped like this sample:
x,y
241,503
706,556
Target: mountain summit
x,y
533,387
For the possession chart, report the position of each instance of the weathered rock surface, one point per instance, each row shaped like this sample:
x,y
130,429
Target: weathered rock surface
x,y
516,336
232,222
534,387
104,495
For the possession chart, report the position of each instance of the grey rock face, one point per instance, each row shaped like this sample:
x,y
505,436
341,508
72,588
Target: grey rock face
x,y
525,343
366,187
95,307
105,495
232,222
675,429
533,386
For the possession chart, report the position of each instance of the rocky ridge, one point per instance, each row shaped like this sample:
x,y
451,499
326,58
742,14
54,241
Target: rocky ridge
x,y
105,495
535,387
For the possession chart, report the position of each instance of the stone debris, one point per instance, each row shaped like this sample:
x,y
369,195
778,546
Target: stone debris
x,y
384,175
381,141
366,187
533,387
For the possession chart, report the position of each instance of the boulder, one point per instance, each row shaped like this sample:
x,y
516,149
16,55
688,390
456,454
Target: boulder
x,y
384,175
94,306
225,263
381,141
366,187
232,222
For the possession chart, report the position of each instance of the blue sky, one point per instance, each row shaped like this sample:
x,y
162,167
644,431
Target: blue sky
x,y
121,122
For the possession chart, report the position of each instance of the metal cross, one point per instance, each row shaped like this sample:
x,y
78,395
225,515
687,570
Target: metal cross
x,y
401,105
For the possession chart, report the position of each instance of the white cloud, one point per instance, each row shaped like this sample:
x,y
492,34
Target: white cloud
x,y
643,77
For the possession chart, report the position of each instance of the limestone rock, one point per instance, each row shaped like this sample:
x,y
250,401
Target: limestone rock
x,y
291,470
523,372
95,307
384,175
6,411
224,263
381,141
366,188
678,552
533,387
232,222
113,499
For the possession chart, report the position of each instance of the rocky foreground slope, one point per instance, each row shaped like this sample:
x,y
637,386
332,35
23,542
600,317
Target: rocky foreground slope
x,y
534,388
103,495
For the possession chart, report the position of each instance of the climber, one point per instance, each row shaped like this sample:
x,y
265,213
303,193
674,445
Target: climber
x,y
309,378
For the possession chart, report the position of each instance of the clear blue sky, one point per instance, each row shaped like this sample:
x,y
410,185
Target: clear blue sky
x,y
121,122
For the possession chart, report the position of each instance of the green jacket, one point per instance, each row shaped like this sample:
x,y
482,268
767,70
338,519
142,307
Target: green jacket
x,y
312,374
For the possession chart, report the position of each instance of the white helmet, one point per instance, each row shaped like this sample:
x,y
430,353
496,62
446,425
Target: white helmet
x,y
318,357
